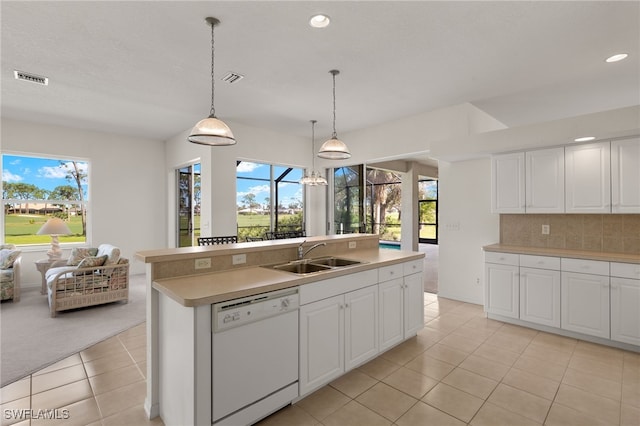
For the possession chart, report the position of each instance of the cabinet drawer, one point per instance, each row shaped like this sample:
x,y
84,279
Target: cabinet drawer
x,y
413,267
390,272
540,262
595,267
502,258
625,270
335,286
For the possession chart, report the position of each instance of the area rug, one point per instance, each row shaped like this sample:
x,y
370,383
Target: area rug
x,y
31,340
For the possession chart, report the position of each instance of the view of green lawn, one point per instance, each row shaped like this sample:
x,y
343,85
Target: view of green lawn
x,y
22,229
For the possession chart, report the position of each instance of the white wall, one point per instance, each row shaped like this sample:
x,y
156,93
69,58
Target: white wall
x,y
127,191
465,225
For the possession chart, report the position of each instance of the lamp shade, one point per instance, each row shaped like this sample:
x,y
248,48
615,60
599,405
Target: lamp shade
x,y
334,149
54,226
211,131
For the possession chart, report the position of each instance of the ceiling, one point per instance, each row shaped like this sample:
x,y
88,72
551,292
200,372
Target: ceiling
x,y
143,68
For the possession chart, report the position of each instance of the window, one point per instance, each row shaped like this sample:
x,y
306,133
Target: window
x,y
35,189
428,205
348,195
269,198
384,198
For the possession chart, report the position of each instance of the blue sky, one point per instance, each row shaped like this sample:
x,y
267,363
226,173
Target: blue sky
x,y
41,172
288,192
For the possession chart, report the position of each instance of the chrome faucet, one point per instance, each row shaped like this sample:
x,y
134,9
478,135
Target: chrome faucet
x,y
302,253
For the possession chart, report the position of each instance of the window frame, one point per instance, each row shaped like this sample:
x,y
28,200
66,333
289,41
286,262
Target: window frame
x,y
84,205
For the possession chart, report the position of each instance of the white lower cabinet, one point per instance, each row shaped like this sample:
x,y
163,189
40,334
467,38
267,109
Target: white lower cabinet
x,y
338,332
413,304
361,326
502,284
321,342
540,296
585,304
625,303
589,297
401,303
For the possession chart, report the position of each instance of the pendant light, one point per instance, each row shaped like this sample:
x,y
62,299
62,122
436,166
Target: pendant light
x,y
334,148
211,131
315,178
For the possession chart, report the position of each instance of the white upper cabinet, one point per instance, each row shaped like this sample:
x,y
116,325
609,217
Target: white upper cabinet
x,y
544,184
625,176
588,178
507,179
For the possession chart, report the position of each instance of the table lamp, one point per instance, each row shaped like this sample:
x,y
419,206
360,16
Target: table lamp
x,y
54,227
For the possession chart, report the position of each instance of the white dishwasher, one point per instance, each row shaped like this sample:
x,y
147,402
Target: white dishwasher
x,y
254,356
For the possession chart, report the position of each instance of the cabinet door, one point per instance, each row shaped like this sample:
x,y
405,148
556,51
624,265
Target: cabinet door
x,y
544,183
540,296
625,176
502,290
625,310
321,342
413,304
585,303
361,326
588,178
391,311
507,183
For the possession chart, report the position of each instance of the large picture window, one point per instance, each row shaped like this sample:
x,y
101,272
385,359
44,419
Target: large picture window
x,y
269,198
35,189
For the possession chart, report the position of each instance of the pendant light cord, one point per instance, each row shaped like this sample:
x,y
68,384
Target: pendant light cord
x,y
313,139
213,84
334,72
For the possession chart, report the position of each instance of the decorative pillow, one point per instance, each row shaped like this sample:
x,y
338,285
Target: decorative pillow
x,y
79,253
7,257
92,261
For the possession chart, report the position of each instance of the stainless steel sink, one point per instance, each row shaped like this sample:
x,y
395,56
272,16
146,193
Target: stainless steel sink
x,y
301,268
334,262
312,266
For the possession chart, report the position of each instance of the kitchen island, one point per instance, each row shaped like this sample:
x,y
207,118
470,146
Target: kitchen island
x,y
376,302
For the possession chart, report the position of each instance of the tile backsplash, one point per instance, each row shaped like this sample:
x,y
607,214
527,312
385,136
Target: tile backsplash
x,y
614,233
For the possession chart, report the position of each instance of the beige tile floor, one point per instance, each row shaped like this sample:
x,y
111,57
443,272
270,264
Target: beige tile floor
x,y
461,369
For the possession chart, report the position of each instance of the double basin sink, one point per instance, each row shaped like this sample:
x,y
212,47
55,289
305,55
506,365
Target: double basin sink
x,y
311,266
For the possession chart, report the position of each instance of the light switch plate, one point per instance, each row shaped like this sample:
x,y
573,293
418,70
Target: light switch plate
x,y
352,244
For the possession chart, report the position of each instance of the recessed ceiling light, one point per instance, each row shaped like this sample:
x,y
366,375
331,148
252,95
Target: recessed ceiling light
x,y
617,57
319,21
585,139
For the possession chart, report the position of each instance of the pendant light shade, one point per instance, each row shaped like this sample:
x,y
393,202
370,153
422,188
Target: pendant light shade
x,y
212,131
315,178
334,148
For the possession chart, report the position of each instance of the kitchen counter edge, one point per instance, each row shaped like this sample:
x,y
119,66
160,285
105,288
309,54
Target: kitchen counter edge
x,y
568,253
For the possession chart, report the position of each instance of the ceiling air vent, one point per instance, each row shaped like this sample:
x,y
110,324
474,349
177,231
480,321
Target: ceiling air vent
x,y
232,77
38,79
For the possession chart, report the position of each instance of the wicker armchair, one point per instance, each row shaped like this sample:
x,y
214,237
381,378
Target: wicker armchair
x,y
89,277
10,260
